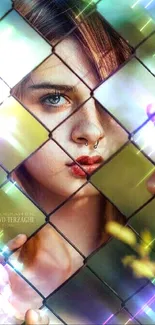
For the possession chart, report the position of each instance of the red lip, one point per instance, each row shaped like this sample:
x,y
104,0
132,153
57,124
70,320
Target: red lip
x,y
88,163
87,160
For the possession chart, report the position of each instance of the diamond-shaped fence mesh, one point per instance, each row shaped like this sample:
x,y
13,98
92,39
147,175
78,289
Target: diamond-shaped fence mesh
x,y
77,147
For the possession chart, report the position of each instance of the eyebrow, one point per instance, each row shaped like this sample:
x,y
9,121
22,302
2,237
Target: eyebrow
x,y
47,85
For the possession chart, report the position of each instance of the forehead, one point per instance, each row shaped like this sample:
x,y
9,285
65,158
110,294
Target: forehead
x,y
71,51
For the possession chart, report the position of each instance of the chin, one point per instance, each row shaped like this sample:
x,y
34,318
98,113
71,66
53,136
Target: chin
x,y
72,187
87,191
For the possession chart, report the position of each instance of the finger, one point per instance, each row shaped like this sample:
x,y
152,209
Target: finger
x,y
5,287
151,184
17,242
4,278
33,317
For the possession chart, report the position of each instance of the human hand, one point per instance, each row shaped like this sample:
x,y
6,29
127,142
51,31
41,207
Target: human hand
x,y
151,184
33,317
9,314
47,260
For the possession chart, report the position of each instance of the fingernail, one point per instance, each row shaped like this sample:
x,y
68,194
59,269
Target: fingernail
x,y
18,236
151,184
35,315
13,239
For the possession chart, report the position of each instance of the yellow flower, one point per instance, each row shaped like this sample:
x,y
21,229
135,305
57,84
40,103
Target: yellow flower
x,y
143,268
121,232
127,260
146,244
146,236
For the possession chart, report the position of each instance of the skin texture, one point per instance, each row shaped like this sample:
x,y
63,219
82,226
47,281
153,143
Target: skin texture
x,y
47,170
91,123
32,317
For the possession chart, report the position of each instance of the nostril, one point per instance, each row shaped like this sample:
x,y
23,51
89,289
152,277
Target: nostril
x,y
82,139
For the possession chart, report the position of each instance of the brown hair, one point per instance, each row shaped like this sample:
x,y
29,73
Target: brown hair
x,y
55,19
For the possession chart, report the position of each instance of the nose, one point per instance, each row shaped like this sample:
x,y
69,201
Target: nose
x,y
88,129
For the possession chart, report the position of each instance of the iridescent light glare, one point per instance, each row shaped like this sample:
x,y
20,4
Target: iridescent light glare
x,y
144,307
7,127
87,6
131,90
145,139
146,53
5,6
133,19
19,48
108,319
4,91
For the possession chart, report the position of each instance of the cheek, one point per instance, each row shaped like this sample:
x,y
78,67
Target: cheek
x,y
115,131
38,164
116,136
50,119
47,161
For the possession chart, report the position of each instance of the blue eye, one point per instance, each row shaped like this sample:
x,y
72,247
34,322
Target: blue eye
x,y
55,100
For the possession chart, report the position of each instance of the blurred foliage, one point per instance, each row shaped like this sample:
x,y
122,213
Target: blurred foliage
x,y
141,265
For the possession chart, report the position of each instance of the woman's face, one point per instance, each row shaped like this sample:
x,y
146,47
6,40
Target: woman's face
x,y
52,93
